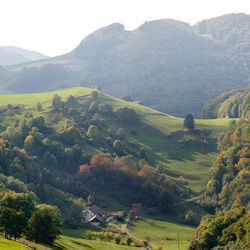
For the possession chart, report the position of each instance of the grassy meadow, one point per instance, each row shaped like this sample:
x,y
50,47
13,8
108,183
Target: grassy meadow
x,y
161,233
164,233
30,100
70,239
12,245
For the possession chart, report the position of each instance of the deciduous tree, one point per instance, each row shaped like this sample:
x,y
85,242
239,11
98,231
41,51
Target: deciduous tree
x,y
44,224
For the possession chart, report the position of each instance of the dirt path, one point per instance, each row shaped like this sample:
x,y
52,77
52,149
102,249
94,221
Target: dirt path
x,y
29,244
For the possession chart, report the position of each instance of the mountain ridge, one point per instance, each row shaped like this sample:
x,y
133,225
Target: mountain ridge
x,y
165,64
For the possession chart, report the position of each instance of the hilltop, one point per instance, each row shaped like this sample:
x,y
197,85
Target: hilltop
x,y
166,64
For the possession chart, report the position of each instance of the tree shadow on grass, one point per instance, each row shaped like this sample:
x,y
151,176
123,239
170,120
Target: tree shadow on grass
x,y
178,145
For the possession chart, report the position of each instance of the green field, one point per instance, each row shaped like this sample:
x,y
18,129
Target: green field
x,y
160,233
11,245
73,239
162,135
76,239
70,240
163,233
44,98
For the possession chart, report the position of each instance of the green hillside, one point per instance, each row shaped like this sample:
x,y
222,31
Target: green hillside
x,y
165,64
233,104
69,240
164,233
45,98
12,245
167,141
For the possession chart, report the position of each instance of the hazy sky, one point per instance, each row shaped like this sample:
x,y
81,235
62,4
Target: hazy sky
x,y
55,27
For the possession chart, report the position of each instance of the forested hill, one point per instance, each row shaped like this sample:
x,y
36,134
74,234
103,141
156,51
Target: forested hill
x,y
227,193
234,104
165,64
232,30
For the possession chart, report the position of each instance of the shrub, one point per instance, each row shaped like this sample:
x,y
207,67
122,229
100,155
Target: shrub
x,y
129,241
117,147
126,115
93,132
94,94
117,239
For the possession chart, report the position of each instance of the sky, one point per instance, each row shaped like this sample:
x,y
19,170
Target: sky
x,y
55,27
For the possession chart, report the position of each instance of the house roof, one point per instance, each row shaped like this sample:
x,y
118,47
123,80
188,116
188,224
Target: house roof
x,y
96,218
97,210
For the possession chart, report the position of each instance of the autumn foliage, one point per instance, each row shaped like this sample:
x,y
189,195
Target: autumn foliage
x,y
123,174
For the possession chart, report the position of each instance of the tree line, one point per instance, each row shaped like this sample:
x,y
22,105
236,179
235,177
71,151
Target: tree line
x,y
20,217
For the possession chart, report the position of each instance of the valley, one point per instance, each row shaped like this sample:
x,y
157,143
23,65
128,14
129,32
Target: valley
x,y
134,139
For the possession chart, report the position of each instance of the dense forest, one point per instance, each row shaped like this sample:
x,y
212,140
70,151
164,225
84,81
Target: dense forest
x,y
232,30
227,193
165,64
233,104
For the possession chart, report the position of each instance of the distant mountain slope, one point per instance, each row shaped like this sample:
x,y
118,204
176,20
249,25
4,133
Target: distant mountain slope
x,y
165,64
232,104
231,29
14,55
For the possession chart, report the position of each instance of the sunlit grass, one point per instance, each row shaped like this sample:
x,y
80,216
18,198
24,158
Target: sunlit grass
x,y
164,234
12,245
